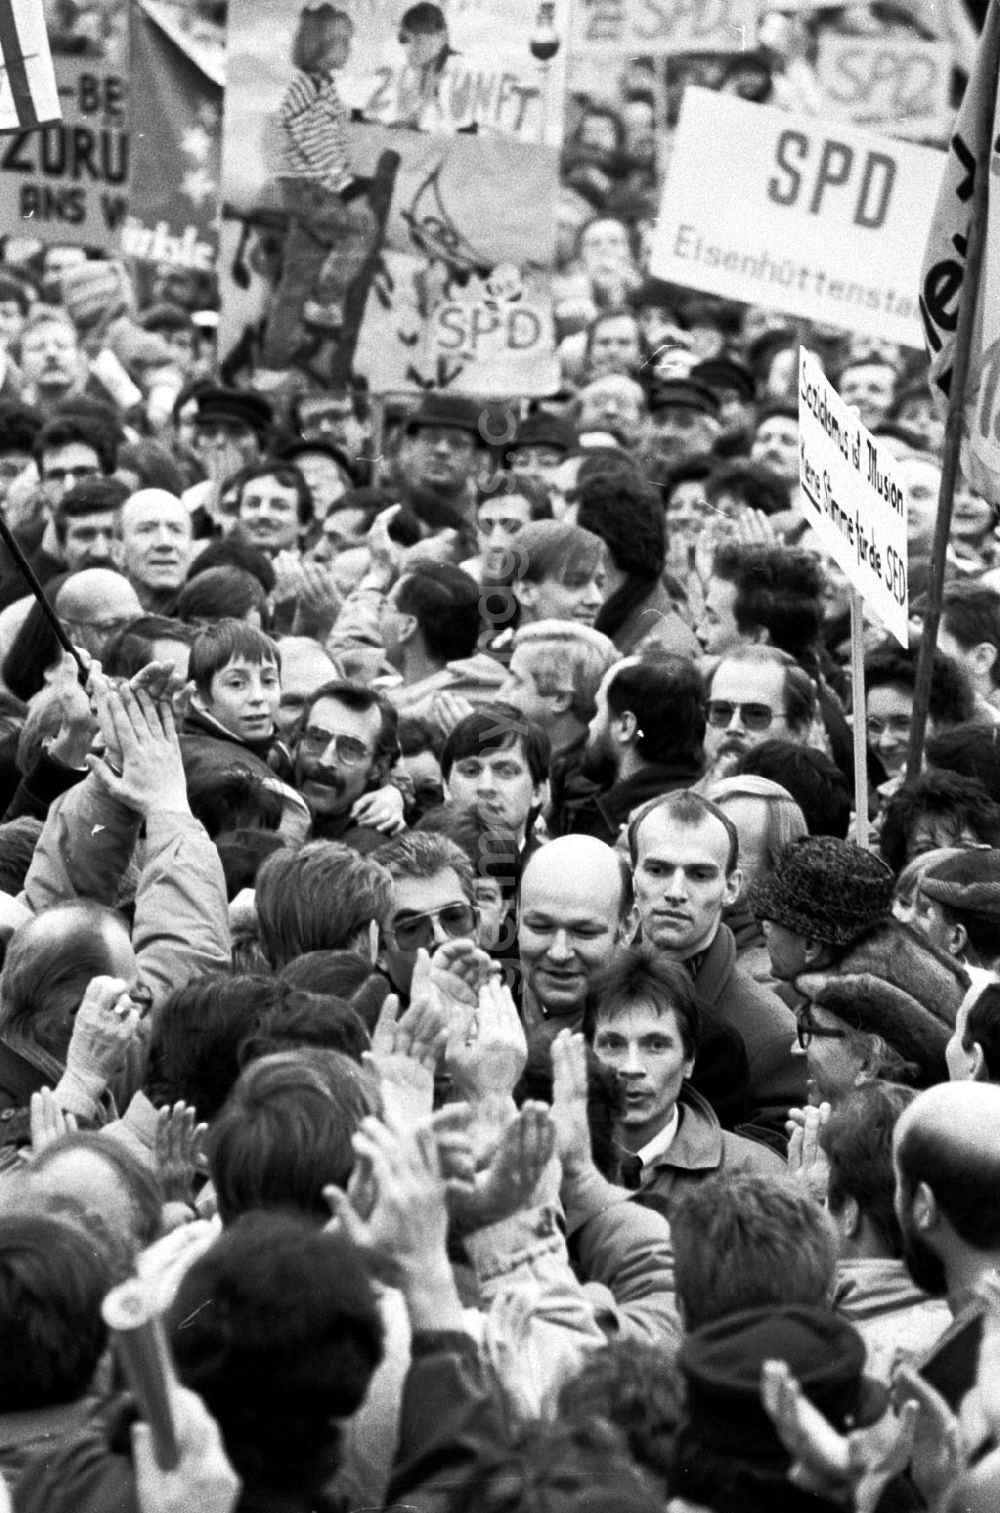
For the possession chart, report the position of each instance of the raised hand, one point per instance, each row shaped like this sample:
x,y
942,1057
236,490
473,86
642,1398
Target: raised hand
x,y
103,1028
405,1053
139,730
511,1178
382,810
807,1161
203,1479
487,1054
178,1146
569,1100
48,1122
405,1227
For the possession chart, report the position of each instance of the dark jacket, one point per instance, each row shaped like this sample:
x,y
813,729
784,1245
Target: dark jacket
x,y
200,728
340,827
613,807
777,1078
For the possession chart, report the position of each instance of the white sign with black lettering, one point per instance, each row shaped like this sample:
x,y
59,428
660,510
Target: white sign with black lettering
x,y
901,85
809,216
853,497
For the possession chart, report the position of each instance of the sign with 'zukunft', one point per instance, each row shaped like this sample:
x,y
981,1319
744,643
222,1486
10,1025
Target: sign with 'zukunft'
x,y
853,497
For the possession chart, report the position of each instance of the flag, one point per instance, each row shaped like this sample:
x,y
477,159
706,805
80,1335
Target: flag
x,y
28,93
944,268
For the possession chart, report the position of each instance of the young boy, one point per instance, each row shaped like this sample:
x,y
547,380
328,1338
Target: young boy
x,y
236,671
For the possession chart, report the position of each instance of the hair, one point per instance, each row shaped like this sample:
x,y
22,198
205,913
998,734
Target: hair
x,y
233,551
308,1020
232,798
492,852
152,464
312,34
951,699
798,688
971,750
685,808
18,839
941,795
46,973
638,1389
982,1028
963,1180
194,1048
360,699
555,549
504,483
321,898
92,496
541,1467
857,1140
742,1240
564,657
214,647
639,975
625,512
855,1006
285,1133
289,477
420,733
971,613
423,19
495,727
421,854
34,649
813,780
79,430
666,699
222,593
19,425
52,1333
444,601
757,487
131,649
345,975
243,851
278,1330
778,589
145,1196
785,820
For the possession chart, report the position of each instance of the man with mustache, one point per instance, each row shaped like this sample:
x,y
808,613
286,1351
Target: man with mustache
x,y
346,745
755,694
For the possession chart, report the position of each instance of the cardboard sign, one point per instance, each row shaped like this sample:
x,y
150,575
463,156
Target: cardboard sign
x,y
664,26
511,344
853,498
69,183
809,216
899,84
28,93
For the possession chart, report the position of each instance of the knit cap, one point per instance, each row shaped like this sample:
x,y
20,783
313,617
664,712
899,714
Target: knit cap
x,y
826,889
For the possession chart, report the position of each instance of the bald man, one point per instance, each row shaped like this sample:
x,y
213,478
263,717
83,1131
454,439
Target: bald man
x,y
94,605
946,1152
156,546
575,909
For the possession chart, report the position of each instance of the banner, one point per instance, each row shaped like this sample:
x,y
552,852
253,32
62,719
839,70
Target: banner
x,y
663,26
811,217
70,182
852,497
28,93
429,265
899,84
176,132
943,273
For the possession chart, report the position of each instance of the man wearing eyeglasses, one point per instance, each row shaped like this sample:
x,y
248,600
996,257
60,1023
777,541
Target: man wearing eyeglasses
x,y
345,748
433,902
756,694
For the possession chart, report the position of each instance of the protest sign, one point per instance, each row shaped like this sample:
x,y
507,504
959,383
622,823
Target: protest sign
x,y
663,26
812,217
176,136
901,85
69,183
853,497
28,93
339,285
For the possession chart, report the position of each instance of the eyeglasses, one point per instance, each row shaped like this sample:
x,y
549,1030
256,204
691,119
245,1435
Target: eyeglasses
x,y
719,713
415,932
347,749
807,1030
509,524
69,475
105,627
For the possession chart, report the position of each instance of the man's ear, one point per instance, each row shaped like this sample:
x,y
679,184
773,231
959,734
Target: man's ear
x,y
560,701
848,1220
526,593
958,938
812,950
625,728
540,795
983,657
373,941
627,927
980,1071
408,627
924,1208
734,883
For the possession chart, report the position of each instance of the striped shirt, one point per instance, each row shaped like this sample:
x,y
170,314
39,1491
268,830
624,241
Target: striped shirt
x,y
314,118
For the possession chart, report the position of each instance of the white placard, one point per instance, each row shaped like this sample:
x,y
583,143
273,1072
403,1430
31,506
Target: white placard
x,y
853,497
659,27
901,85
796,213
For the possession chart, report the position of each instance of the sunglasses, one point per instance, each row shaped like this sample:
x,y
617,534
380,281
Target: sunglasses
x,y
719,713
415,932
807,1031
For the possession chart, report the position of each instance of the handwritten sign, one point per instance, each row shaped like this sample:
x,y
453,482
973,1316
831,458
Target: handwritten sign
x,y
804,215
664,26
853,497
900,84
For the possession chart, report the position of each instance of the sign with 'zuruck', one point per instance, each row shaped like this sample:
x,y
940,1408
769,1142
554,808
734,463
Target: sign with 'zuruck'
x,y
799,214
853,497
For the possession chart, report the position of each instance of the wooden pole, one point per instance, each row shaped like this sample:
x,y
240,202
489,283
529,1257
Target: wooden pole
x,y
956,405
860,722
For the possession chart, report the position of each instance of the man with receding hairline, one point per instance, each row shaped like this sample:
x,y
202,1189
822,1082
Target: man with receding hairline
x,y
946,1153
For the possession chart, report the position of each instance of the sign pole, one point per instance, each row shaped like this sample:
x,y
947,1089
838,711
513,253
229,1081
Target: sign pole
x,y
950,454
860,722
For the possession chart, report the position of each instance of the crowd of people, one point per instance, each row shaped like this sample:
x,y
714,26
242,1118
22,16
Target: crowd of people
x,y
438,962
